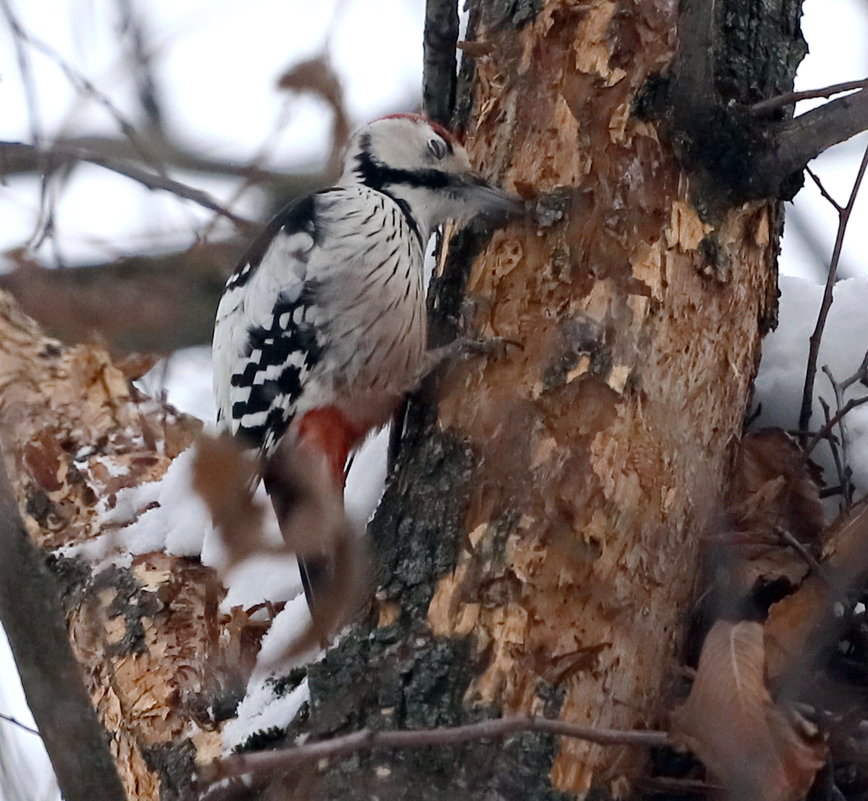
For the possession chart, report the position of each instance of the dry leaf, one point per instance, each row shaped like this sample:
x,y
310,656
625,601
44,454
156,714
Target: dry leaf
x,y
775,490
751,745
225,475
770,455
804,622
317,76
310,511
135,365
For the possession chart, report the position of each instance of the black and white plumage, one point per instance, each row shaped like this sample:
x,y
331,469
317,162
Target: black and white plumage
x,y
322,329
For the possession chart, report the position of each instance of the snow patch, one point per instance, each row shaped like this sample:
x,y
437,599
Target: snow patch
x,y
263,706
781,375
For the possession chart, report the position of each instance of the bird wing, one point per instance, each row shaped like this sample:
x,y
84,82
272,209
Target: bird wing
x,y
268,330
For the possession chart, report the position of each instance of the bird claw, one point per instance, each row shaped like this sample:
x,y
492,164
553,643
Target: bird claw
x,y
466,347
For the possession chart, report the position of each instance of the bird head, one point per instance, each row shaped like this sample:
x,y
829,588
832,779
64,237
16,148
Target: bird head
x,y
418,162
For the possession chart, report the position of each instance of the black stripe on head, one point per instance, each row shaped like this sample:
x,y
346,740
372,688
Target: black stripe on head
x,y
377,175
380,177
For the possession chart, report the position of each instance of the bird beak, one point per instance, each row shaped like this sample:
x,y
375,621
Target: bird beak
x,y
488,200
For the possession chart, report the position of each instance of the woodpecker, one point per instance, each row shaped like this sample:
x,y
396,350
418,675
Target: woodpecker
x,y
321,329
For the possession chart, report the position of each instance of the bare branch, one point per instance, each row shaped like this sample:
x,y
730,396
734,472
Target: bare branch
x,y
817,336
693,76
803,138
31,614
787,99
87,88
25,71
131,25
19,724
270,762
843,483
824,432
823,191
143,303
439,62
60,154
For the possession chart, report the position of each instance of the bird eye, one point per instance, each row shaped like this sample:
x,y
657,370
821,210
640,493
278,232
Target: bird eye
x,y
437,147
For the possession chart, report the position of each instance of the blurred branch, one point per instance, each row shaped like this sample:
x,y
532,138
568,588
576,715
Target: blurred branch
x,y
131,25
24,70
85,87
34,622
844,214
59,155
440,65
147,303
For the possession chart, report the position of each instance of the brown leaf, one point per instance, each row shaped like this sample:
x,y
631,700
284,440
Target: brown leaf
x,y
317,76
804,622
775,492
730,721
310,511
225,474
770,455
135,365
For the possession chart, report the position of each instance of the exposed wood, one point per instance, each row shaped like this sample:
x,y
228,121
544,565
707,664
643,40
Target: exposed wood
x,y
156,655
601,446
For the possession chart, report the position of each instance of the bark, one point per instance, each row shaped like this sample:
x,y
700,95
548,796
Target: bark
x,y
538,545
161,665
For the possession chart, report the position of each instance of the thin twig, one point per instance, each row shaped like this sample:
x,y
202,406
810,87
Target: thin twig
x,y
19,724
789,98
24,69
817,336
131,24
823,191
824,432
801,550
836,456
860,375
846,485
269,762
86,87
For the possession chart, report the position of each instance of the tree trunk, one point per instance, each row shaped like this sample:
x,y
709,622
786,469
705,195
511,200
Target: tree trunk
x,y
538,545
